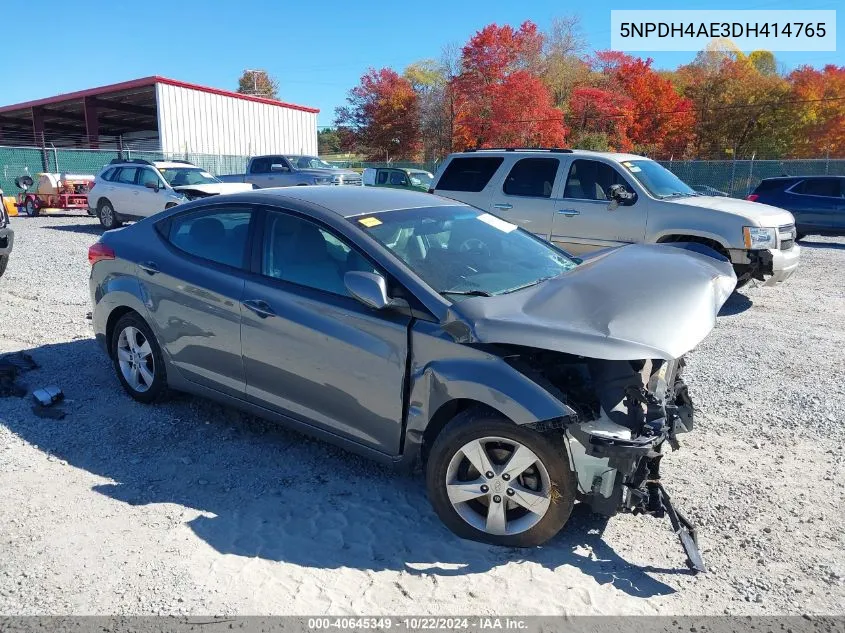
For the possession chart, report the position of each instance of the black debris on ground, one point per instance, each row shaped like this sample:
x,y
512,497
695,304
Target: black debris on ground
x,y
12,366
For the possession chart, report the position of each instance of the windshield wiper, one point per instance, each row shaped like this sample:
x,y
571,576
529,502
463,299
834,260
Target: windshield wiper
x,y
467,293
533,283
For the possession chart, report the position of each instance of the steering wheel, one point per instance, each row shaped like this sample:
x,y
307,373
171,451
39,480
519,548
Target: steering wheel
x,y
474,246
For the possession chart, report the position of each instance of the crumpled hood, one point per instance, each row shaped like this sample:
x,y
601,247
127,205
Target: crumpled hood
x,y
758,213
635,302
214,188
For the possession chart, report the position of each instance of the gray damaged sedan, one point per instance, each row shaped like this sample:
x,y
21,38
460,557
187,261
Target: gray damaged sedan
x,y
417,330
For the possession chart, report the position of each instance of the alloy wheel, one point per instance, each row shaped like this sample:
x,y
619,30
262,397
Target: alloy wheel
x,y
498,486
135,358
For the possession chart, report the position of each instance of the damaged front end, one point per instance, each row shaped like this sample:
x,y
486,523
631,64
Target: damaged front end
x,y
626,412
582,336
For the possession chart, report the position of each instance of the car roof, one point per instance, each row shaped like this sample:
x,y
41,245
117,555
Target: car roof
x,y
348,201
614,156
168,164
818,176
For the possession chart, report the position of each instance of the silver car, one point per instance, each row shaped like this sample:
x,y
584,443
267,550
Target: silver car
x,y
417,330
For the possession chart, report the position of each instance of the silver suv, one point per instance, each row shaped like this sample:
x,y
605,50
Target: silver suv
x,y
136,188
585,201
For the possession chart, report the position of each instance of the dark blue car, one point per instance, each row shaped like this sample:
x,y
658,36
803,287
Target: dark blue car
x,y
817,202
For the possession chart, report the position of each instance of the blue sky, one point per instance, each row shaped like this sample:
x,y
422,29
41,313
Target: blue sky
x,y
316,50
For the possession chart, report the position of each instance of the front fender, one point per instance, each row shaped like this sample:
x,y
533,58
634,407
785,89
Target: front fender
x,y
443,371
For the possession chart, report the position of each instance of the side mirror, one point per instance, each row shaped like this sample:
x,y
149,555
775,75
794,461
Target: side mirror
x,y
368,288
152,185
278,167
620,195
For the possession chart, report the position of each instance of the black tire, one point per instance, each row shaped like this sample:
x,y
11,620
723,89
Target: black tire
x,y
477,423
156,390
4,261
31,208
108,216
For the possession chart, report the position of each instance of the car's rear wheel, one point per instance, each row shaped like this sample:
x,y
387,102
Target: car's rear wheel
x,y
493,481
108,217
137,359
4,261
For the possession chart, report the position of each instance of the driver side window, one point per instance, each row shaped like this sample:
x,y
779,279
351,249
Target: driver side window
x,y
592,180
300,252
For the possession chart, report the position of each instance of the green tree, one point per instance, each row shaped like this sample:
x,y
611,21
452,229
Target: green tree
x,y
328,141
259,84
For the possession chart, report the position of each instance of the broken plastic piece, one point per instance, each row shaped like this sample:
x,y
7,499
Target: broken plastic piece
x,y
47,396
685,531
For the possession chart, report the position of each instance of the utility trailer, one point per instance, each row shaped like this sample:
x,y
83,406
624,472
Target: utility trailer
x,y
54,191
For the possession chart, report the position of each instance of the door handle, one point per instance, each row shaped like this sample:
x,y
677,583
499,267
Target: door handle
x,y
261,308
569,212
151,268
503,205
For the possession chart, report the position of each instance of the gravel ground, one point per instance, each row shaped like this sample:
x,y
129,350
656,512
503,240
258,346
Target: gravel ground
x,y
188,507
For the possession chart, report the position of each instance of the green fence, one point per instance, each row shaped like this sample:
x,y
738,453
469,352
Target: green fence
x,y
736,178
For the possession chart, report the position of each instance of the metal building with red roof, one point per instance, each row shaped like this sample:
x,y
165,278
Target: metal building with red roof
x,y
165,114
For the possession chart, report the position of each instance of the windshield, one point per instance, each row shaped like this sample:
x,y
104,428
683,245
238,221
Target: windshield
x,y
657,180
181,176
420,178
463,251
309,162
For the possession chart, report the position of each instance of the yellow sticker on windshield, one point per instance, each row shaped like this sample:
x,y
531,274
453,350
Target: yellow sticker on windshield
x,y
369,222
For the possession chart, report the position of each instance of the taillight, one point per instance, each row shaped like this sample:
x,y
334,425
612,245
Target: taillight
x,y
752,197
98,252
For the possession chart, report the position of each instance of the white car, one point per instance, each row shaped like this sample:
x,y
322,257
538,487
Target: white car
x,y
136,188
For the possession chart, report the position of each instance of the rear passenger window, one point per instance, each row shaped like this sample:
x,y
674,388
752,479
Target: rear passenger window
x,y
381,179
470,173
218,236
828,187
532,177
126,175
108,174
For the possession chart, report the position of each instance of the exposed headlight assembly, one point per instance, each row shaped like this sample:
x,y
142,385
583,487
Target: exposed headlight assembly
x,y
757,238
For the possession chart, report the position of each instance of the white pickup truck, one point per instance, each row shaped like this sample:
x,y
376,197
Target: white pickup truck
x,y
585,201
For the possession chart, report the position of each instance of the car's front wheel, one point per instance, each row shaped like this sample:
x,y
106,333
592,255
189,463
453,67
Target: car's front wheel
x,y
494,481
108,217
137,359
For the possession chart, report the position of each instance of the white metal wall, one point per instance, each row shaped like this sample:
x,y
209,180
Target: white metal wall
x,y
203,122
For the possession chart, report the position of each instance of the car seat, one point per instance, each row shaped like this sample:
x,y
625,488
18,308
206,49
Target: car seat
x,y
310,264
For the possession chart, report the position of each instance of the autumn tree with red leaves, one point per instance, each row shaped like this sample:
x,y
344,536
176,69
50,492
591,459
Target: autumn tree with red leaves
x,y
382,118
633,106
499,99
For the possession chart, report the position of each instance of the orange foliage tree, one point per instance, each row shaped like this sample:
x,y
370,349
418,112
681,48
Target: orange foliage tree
x,y
818,97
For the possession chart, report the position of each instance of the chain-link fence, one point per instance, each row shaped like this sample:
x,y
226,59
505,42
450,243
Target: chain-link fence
x,y
738,178
733,177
